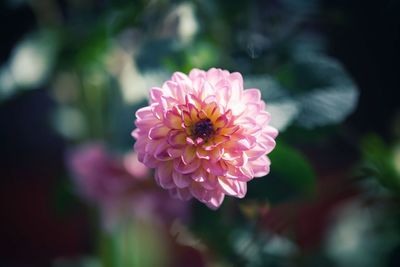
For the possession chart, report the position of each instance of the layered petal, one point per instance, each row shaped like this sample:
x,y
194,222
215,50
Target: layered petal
x,y
205,135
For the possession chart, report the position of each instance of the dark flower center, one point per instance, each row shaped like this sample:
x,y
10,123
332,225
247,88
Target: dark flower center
x,y
203,129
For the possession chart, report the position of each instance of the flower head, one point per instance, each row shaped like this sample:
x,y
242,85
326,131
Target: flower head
x,y
205,135
121,187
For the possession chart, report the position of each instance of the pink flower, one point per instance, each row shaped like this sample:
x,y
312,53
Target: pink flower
x,y
205,135
120,186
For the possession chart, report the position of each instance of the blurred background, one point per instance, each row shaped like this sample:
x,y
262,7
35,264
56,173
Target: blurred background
x,y
73,73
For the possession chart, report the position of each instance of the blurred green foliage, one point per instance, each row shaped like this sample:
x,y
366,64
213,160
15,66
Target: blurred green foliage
x,y
294,168
380,162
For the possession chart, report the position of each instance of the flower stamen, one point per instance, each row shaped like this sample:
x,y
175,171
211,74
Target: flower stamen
x,y
203,129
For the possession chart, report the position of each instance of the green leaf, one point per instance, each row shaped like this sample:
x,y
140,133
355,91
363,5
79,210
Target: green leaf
x,y
380,162
212,228
291,176
294,168
324,92
311,91
133,243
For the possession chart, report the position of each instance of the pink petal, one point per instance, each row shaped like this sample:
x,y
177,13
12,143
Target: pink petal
x,y
202,154
174,152
263,118
216,154
179,90
236,81
198,85
155,94
242,186
271,131
146,122
208,92
251,95
163,175
247,172
189,154
213,75
221,122
215,199
267,142
183,194
143,112
256,152
161,152
135,133
196,73
158,131
210,183
199,175
197,191
173,120
217,140
177,138
260,166
228,186
149,160
180,180
215,168
183,168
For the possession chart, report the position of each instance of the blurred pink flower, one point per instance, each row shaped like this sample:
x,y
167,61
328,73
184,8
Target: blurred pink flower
x,y
205,135
120,186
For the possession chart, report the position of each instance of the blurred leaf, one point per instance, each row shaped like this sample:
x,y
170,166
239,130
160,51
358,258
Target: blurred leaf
x,y
380,162
291,176
133,243
135,85
33,59
311,91
213,229
254,43
326,106
330,93
362,234
270,88
280,105
262,248
81,262
302,6
203,55
90,51
322,89
291,166
7,83
153,52
69,122
283,113
306,43
270,189
315,136
30,64
123,16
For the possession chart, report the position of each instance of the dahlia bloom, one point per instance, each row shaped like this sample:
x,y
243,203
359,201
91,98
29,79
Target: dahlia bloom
x,y
205,135
121,187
